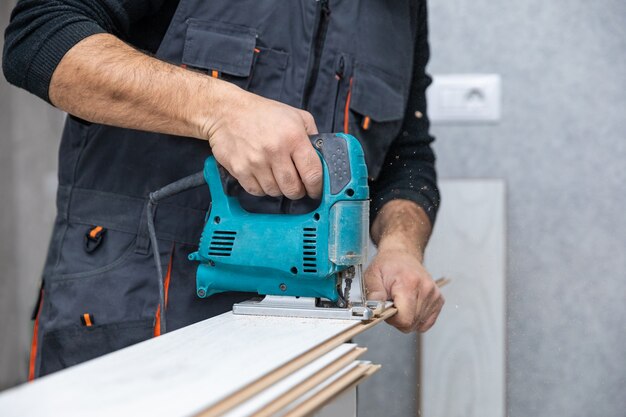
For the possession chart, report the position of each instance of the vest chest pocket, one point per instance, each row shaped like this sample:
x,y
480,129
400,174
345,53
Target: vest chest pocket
x,y
373,111
233,53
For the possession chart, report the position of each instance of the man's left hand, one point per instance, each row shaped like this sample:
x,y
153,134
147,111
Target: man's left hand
x,y
400,276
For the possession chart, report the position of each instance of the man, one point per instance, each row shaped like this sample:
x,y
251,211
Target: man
x,y
154,86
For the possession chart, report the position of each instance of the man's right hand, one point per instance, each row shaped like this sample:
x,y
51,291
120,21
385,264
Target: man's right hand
x,y
264,144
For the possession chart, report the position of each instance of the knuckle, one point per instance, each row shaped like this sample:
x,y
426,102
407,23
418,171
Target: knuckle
x,y
287,179
406,324
305,153
238,171
253,189
292,132
294,192
257,192
272,148
256,160
428,324
312,177
272,190
308,117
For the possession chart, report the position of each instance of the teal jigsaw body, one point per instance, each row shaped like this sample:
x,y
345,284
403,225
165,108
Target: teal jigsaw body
x,y
285,254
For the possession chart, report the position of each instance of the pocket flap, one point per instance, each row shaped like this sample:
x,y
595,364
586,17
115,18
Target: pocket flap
x,y
377,94
218,46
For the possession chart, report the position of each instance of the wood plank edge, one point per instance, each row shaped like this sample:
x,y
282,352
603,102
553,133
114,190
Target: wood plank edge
x,y
327,394
310,383
299,362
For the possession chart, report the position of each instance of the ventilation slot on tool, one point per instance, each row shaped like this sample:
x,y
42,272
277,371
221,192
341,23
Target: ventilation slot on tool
x,y
222,243
309,252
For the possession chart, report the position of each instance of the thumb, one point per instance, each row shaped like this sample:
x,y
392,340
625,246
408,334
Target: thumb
x,y
374,286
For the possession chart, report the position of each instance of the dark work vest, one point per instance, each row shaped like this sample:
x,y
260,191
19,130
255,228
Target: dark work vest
x,y
348,62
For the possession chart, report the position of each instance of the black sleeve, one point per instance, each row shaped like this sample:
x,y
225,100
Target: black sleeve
x,y
409,169
42,31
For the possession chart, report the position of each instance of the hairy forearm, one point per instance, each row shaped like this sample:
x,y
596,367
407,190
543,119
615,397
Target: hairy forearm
x,y
402,225
262,143
103,80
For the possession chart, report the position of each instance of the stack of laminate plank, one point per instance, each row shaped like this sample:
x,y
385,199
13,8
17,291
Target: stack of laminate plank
x,y
225,366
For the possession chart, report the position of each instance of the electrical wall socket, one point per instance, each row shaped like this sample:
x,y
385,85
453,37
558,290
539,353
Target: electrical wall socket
x,y
464,98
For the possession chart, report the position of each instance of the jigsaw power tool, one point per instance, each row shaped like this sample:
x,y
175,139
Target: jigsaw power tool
x,y
306,265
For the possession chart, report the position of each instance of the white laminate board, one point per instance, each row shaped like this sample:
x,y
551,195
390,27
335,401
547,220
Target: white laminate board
x,y
178,374
463,355
270,394
318,389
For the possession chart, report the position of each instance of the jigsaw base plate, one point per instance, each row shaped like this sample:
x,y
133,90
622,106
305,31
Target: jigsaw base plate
x,y
307,307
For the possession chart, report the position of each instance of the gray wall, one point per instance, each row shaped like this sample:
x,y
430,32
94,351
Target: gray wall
x,y
561,147
29,135
8,285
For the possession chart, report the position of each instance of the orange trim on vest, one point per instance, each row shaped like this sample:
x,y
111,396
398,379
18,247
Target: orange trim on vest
x,y
157,322
366,122
166,287
215,74
346,110
33,346
168,276
93,233
87,319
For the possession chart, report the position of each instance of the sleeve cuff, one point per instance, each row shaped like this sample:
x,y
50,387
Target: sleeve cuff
x,y
430,207
51,51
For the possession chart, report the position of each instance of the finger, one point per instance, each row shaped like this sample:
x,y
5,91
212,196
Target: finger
x,y
432,318
426,299
309,167
266,180
429,314
245,178
309,122
404,320
251,185
437,304
288,180
374,286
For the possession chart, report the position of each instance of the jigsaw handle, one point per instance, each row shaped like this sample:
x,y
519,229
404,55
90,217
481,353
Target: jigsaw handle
x,y
220,199
333,150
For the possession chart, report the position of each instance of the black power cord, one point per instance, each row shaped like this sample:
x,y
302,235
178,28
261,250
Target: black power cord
x,y
184,184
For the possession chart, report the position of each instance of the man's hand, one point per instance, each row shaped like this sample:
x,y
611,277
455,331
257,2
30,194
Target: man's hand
x,y
264,144
399,276
401,230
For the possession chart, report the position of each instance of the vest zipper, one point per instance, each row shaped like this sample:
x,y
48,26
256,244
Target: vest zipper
x,y
339,70
321,24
